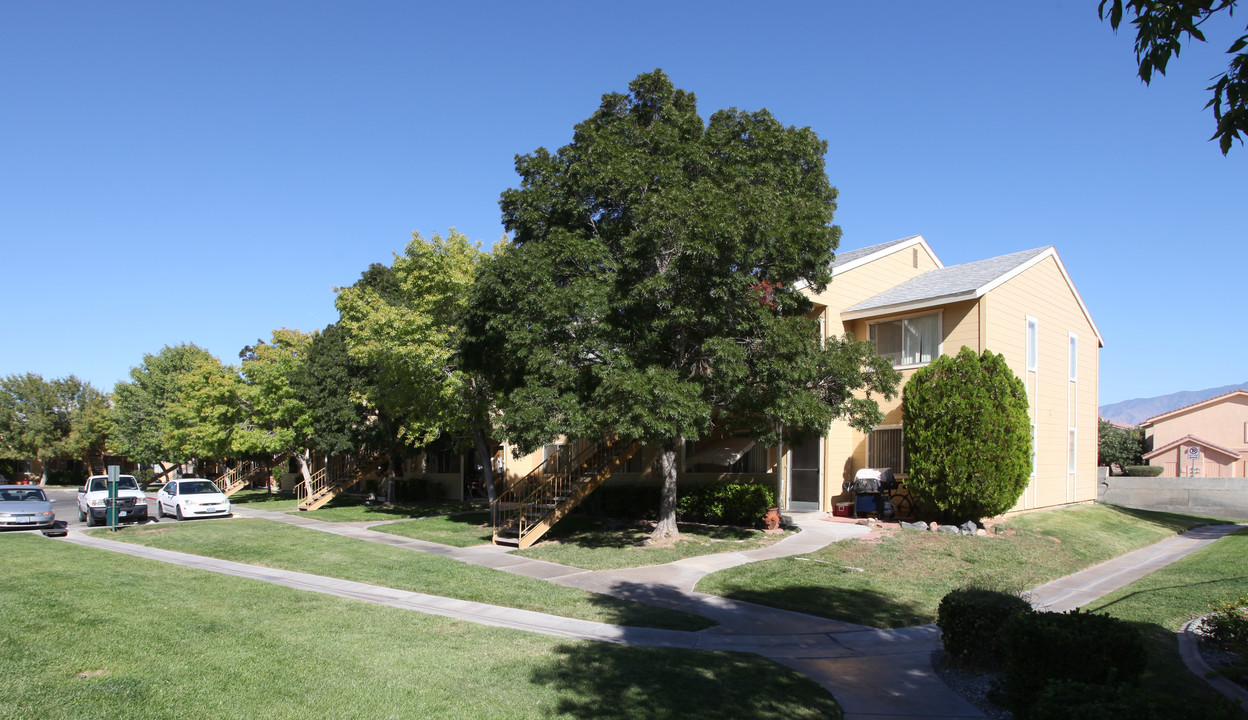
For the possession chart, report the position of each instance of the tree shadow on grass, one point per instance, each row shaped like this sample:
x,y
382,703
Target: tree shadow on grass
x,y
595,681
1174,522
860,606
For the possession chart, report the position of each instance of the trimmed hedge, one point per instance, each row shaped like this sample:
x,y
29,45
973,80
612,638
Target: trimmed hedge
x,y
1143,470
408,490
725,504
970,621
1045,648
718,504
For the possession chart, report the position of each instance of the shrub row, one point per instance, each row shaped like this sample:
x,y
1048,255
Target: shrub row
x,y
719,504
1143,470
1052,664
412,490
726,504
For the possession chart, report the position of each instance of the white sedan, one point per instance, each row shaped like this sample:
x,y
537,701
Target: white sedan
x,y
191,497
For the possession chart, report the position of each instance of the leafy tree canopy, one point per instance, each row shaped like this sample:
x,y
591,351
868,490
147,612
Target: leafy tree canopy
x,y
334,383
652,287
276,418
405,323
141,406
1161,28
61,418
967,436
1124,446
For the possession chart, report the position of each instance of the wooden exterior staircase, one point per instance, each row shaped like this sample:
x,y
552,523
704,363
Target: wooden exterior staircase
x,y
336,477
242,474
540,499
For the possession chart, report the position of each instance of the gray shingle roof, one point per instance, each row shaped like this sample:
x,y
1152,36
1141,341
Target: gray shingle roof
x,y
948,282
851,255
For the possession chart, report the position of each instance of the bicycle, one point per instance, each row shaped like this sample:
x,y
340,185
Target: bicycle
x,y
902,505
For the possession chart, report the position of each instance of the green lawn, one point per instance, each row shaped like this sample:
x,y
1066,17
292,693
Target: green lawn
x,y
273,544
1162,602
459,530
899,580
94,634
349,508
596,544
589,543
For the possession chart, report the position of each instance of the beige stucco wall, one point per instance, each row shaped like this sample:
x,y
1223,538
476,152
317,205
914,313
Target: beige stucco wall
x,y
1042,292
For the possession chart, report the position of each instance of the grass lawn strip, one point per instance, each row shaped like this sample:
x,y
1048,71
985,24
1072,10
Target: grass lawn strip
x,y
1162,602
348,508
272,544
93,634
899,580
591,543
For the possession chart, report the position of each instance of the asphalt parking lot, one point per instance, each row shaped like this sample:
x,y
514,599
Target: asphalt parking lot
x,y
65,505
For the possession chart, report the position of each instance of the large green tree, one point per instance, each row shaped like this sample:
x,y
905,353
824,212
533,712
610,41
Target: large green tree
x,y
64,418
406,324
276,417
142,406
653,285
1161,28
967,436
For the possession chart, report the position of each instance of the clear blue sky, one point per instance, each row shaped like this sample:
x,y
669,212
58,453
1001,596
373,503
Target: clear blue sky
x,y
207,172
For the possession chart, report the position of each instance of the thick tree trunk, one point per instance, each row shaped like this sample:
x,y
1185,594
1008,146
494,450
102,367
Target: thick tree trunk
x,y
666,530
487,469
302,460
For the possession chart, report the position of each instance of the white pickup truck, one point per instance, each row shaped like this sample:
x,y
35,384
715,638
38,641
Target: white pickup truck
x,y
93,500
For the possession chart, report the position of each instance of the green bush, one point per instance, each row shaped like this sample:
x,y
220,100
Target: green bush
x,y
1067,700
65,477
725,503
414,490
970,621
1046,648
1144,470
1228,626
967,436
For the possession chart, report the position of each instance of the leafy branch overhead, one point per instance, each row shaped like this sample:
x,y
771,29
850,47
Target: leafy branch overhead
x,y
1161,28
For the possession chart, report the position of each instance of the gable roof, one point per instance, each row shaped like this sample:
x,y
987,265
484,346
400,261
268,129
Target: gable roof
x,y
962,282
1191,440
1194,406
851,259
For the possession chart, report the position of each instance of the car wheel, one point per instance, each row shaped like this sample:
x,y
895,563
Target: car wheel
x,y
91,520
177,510
82,516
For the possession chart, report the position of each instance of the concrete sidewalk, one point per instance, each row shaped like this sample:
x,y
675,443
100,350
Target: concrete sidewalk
x,y
874,674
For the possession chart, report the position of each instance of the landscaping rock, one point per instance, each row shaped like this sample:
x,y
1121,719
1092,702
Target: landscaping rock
x,y
933,526
949,529
981,533
913,525
968,528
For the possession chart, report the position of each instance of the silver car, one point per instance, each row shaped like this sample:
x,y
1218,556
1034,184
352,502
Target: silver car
x,y
25,506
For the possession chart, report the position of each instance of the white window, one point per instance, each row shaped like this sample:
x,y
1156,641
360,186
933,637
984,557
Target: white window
x,y
1074,357
1071,452
909,341
885,449
1033,341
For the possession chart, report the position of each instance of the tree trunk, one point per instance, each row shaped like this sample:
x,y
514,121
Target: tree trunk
x,y
43,476
487,470
302,460
666,530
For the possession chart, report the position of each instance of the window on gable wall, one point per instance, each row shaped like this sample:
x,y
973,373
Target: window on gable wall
x,y
908,341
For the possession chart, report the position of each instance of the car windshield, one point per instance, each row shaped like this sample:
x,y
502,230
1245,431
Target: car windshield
x,y
125,482
202,487
23,494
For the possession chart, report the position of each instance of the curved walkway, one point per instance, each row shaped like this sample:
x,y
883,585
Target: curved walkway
x,y
874,674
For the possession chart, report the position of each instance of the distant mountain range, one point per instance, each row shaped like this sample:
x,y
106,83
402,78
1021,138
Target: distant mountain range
x,y
1133,412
